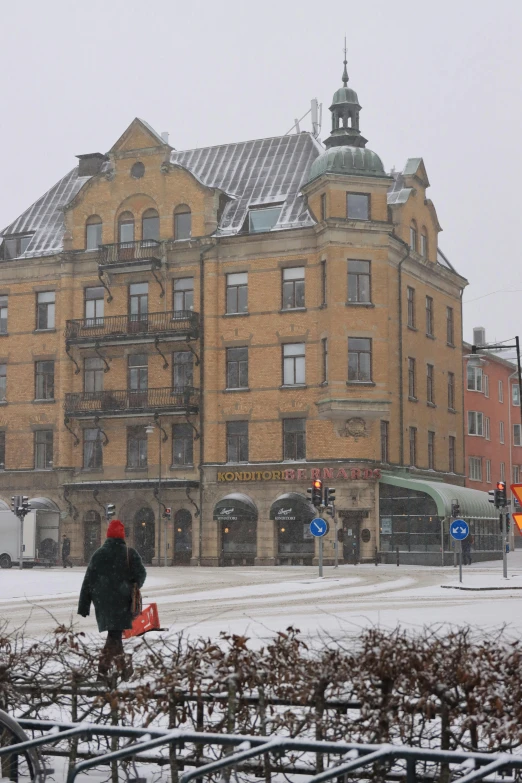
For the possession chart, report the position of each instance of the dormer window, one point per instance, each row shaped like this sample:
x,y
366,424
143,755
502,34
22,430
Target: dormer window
x,y
93,232
263,219
14,247
413,236
357,206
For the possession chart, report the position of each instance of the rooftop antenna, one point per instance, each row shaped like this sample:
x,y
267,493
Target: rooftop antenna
x,y
316,111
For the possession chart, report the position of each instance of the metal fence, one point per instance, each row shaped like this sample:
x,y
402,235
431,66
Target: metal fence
x,y
125,401
122,327
123,252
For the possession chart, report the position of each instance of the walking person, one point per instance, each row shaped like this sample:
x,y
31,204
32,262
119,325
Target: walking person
x,y
466,550
108,584
66,551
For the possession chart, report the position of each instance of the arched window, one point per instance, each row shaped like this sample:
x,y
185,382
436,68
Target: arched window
x,y
182,222
93,232
424,243
413,235
150,224
126,227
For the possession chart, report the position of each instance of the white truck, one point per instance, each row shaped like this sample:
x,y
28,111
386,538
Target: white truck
x,y
40,539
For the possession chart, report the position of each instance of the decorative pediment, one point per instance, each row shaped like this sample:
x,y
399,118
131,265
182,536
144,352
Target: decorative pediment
x,y
138,136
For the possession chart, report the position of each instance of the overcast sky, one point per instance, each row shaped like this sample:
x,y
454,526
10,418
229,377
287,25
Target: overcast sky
x,y
441,80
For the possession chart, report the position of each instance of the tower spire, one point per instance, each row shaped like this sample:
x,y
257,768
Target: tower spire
x,y
345,71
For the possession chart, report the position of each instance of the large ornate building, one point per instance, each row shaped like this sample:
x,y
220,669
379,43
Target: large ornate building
x,y
207,330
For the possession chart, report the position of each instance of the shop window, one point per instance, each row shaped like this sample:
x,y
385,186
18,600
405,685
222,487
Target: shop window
x,y
412,378
237,368
451,391
359,360
43,449
93,232
475,469
385,441
429,316
410,295
452,441
182,369
475,423
136,447
263,219
182,222
294,439
237,292
183,295
359,282
150,225
357,206
92,449
45,309
182,444
237,441
44,380
94,306
293,287
294,364
93,374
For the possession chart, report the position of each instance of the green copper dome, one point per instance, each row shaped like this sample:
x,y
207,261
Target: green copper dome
x,y
345,95
347,160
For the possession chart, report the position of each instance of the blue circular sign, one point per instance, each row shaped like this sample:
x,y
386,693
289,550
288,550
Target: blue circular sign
x,y
319,527
459,530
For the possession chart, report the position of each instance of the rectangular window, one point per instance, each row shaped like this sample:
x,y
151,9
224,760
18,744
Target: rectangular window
x,y
94,306
323,283
183,224
475,423
385,428
487,427
359,281
138,305
475,378
357,206
412,380
183,294
294,439
486,384
44,381
359,360
430,383
516,434
3,314
488,471
324,345
136,447
450,327
263,219
92,449
431,450
451,391
45,304
452,446
424,245
323,206
413,445
516,474
429,316
3,381
182,444
93,236
15,246
501,431
475,468
237,368
515,393
43,449
182,369
2,450
237,441
500,391
294,364
93,374
237,292
502,471
410,293
293,287
138,372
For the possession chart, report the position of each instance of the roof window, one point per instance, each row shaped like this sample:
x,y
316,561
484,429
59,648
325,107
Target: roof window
x,y
263,219
15,246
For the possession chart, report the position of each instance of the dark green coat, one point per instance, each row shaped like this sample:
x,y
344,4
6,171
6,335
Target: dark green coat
x,y
107,584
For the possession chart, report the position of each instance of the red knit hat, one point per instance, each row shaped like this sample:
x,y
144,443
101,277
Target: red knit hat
x,y
115,529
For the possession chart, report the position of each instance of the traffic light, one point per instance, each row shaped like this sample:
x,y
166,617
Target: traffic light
x,y
316,493
15,503
455,509
25,505
167,513
110,511
329,500
20,505
492,495
500,495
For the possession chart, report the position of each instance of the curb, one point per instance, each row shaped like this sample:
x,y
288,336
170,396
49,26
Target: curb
x,y
478,589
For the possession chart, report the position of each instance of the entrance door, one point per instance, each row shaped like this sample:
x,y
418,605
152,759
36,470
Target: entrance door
x,y
182,537
238,542
91,535
145,534
349,535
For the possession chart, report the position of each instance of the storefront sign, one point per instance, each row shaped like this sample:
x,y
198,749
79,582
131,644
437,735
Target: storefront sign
x,y
301,474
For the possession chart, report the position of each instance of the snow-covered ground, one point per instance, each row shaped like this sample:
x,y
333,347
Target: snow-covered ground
x,y
259,601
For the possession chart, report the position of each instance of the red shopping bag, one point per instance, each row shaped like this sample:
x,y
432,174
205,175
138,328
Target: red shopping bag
x,y
148,620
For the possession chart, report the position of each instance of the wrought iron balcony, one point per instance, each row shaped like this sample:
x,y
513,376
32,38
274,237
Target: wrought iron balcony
x,y
175,325
130,402
121,255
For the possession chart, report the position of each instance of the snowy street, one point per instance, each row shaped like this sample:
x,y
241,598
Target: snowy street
x,y
259,601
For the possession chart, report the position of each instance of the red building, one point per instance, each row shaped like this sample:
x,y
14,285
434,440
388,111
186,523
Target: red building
x,y
492,438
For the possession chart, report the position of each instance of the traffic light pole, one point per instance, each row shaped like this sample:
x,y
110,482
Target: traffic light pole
x,y
503,521
336,563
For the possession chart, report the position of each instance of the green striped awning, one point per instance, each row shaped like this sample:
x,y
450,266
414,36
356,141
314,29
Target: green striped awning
x,y
473,503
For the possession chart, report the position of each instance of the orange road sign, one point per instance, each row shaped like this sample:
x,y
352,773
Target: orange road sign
x,y
516,489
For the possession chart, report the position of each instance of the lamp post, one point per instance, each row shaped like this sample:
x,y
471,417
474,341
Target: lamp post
x,y
149,429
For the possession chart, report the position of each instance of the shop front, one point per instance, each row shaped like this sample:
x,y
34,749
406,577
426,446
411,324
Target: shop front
x,y
292,513
236,515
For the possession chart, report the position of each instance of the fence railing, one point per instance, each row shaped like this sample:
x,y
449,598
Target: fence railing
x,y
123,252
126,401
177,323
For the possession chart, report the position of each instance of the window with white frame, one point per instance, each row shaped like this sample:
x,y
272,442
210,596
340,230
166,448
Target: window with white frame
x,y
500,391
474,378
502,471
515,390
486,385
487,427
516,474
501,431
475,469
516,435
488,471
475,423
293,364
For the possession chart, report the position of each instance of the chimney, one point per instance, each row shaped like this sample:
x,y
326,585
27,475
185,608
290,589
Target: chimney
x,y
91,164
479,336
165,136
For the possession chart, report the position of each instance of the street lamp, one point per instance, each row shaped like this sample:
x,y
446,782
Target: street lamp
x,y
149,429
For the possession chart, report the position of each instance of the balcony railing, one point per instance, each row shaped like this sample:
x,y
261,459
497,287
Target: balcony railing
x,y
127,253
130,402
129,328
